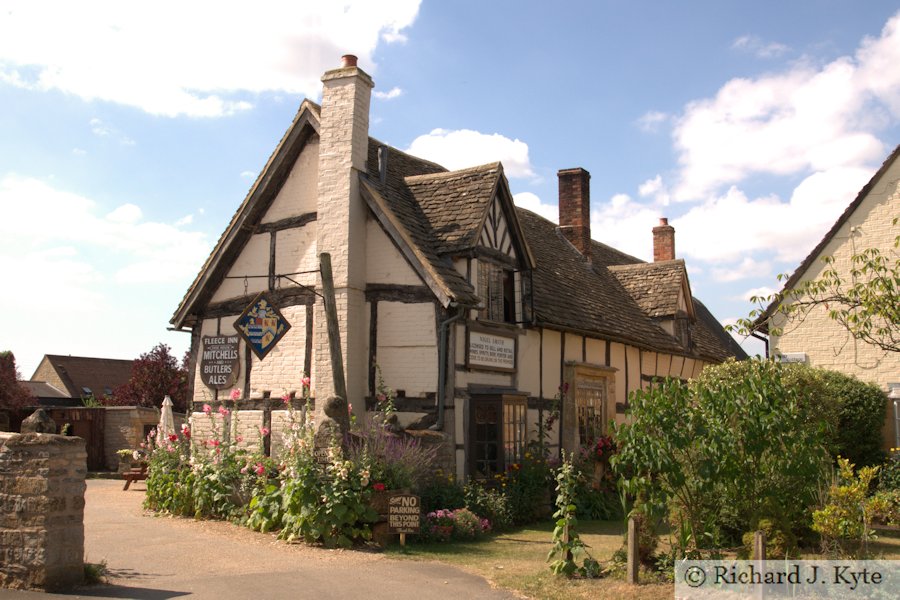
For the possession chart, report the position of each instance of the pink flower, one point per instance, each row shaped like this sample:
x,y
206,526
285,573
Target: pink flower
x,y
260,469
223,411
152,433
207,408
213,443
236,394
264,431
378,487
240,439
305,382
286,398
244,469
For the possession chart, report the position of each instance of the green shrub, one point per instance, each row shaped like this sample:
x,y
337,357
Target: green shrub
x,y
844,521
723,443
441,491
851,411
780,539
490,503
889,475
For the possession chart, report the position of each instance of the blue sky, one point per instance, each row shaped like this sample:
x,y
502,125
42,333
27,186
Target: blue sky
x,y
130,132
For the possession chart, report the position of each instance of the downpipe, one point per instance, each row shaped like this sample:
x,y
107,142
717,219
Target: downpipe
x,y
442,367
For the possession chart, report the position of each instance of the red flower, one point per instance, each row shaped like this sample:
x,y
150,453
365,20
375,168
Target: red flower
x,y
260,469
173,437
378,487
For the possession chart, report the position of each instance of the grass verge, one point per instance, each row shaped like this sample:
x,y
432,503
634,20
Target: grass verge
x,y
517,561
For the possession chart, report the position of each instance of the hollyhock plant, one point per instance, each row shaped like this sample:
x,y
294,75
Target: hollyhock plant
x,y
236,394
207,409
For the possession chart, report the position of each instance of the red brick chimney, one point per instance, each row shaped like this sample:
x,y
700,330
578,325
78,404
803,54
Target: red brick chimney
x,y
663,241
575,208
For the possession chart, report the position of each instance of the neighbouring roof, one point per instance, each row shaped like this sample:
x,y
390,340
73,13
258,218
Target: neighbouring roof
x,y
42,389
762,321
79,374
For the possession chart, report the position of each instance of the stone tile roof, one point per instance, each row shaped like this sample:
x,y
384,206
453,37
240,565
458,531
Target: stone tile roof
x,y
571,293
455,204
392,186
655,286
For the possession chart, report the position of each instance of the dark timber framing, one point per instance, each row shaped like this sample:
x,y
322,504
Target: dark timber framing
x,y
289,223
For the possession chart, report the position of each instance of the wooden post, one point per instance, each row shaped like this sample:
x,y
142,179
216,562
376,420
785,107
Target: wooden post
x,y
334,332
631,568
759,557
759,546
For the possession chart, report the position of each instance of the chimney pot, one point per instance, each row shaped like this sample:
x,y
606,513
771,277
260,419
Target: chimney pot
x,y
663,241
348,60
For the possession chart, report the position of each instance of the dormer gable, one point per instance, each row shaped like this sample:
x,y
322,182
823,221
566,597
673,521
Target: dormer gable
x,y
662,290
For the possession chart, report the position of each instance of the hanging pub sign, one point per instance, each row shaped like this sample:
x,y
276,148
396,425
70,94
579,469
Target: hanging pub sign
x,y
219,364
261,325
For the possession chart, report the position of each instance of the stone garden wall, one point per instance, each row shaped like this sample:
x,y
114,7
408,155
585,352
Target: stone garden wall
x,y
42,485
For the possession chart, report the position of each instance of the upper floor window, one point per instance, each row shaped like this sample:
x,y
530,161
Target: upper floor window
x,y
497,288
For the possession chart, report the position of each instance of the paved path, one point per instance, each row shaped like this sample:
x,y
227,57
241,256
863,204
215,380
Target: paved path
x,y
157,558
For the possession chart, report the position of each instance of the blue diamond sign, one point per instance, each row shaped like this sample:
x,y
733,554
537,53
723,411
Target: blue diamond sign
x,y
261,325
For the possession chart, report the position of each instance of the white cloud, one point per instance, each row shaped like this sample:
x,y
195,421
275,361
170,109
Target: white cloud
x,y
79,151
185,220
126,214
726,229
532,202
196,63
103,130
758,47
120,239
651,121
746,268
757,292
249,174
625,225
805,119
466,148
394,92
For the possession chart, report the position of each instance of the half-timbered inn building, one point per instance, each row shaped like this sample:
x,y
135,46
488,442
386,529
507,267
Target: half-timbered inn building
x,y
474,311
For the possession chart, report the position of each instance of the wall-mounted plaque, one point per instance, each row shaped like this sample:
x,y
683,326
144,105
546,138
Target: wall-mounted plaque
x,y
219,361
491,351
261,325
404,513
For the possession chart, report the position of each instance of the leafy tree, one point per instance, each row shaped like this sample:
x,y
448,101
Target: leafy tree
x,y
155,375
12,393
866,303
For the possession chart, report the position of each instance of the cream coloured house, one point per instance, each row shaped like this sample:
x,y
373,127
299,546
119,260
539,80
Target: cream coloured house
x,y
476,312
817,339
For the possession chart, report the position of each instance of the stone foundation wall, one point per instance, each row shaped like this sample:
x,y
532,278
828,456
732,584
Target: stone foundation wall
x,y
42,484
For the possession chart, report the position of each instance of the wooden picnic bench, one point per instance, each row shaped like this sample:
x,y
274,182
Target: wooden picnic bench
x,y
135,474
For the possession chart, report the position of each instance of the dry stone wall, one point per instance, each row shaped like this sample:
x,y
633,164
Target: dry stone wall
x,y
42,484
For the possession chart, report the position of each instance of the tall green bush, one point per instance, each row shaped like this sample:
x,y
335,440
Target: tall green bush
x,y
720,454
852,411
